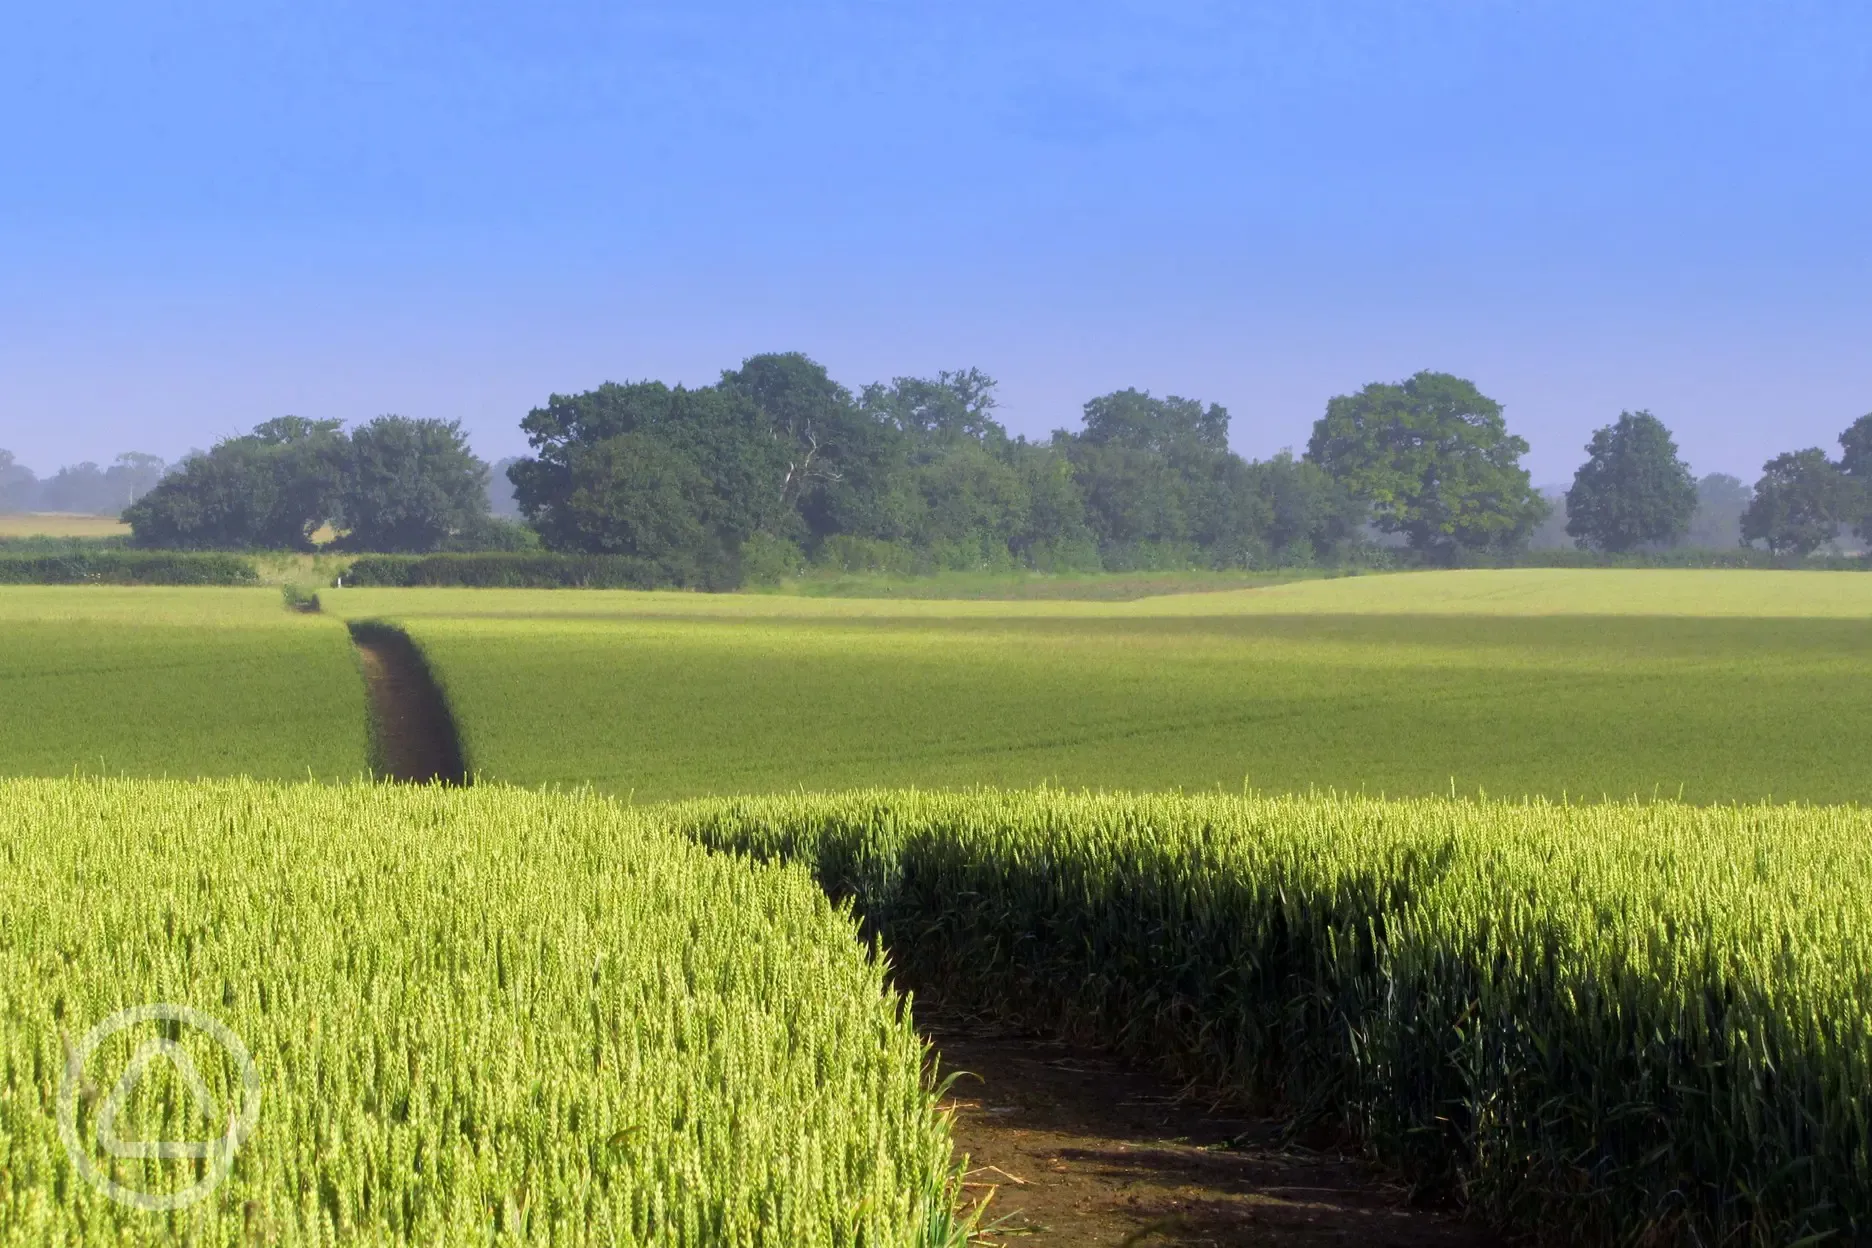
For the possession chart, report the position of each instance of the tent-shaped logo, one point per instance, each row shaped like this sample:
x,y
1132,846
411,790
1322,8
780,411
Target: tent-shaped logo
x,y
190,1080
225,1130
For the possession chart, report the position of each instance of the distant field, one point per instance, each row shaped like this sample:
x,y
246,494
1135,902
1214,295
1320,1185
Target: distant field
x,y
60,524
174,682
1091,586
1717,686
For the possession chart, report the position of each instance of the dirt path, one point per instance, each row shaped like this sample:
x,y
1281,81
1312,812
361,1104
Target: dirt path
x,y
413,736
1070,1148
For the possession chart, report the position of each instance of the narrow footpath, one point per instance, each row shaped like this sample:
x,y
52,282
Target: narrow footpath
x,y
1068,1147
413,736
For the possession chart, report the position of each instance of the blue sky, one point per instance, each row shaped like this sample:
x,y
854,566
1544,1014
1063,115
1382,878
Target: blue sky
x,y
212,213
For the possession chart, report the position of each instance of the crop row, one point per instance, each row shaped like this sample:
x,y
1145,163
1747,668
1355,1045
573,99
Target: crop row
x,y
1608,1023
500,1015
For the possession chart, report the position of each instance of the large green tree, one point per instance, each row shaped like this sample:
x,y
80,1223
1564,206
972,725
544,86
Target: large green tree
x,y
819,441
1856,464
410,485
1633,490
708,455
1157,475
1800,503
267,490
1435,461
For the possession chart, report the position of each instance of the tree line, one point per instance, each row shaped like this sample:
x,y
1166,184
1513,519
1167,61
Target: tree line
x,y
393,484
1635,492
776,464
84,488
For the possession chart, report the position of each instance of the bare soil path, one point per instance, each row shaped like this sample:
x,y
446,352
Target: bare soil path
x,y
1069,1147
413,736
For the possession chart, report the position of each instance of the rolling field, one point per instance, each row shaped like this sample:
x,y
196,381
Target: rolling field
x,y
175,682
1716,686
493,1015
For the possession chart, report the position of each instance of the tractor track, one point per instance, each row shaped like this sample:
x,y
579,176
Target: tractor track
x,y
413,736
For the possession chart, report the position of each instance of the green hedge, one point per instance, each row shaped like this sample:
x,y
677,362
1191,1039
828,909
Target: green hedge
x,y
508,571
127,567
1599,1024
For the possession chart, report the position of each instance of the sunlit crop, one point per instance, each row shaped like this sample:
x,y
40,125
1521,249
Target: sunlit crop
x,y
175,682
476,1016
1715,686
1608,1023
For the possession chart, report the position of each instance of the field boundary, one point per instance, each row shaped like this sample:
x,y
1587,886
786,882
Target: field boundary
x,y
413,736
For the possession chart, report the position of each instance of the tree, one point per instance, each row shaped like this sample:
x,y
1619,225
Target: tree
x,y
1717,522
1167,426
1053,536
410,485
955,405
1856,463
637,494
1157,476
267,490
581,488
1800,502
91,490
1434,459
1633,488
817,433
1309,514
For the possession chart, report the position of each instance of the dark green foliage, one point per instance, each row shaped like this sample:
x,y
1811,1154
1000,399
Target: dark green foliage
x,y
269,490
1856,464
396,484
1435,460
410,486
506,571
912,474
126,567
48,545
490,534
1307,514
675,479
1633,490
1800,503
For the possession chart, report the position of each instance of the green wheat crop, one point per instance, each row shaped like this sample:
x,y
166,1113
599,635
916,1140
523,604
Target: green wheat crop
x,y
1624,1023
1715,686
179,682
475,1017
